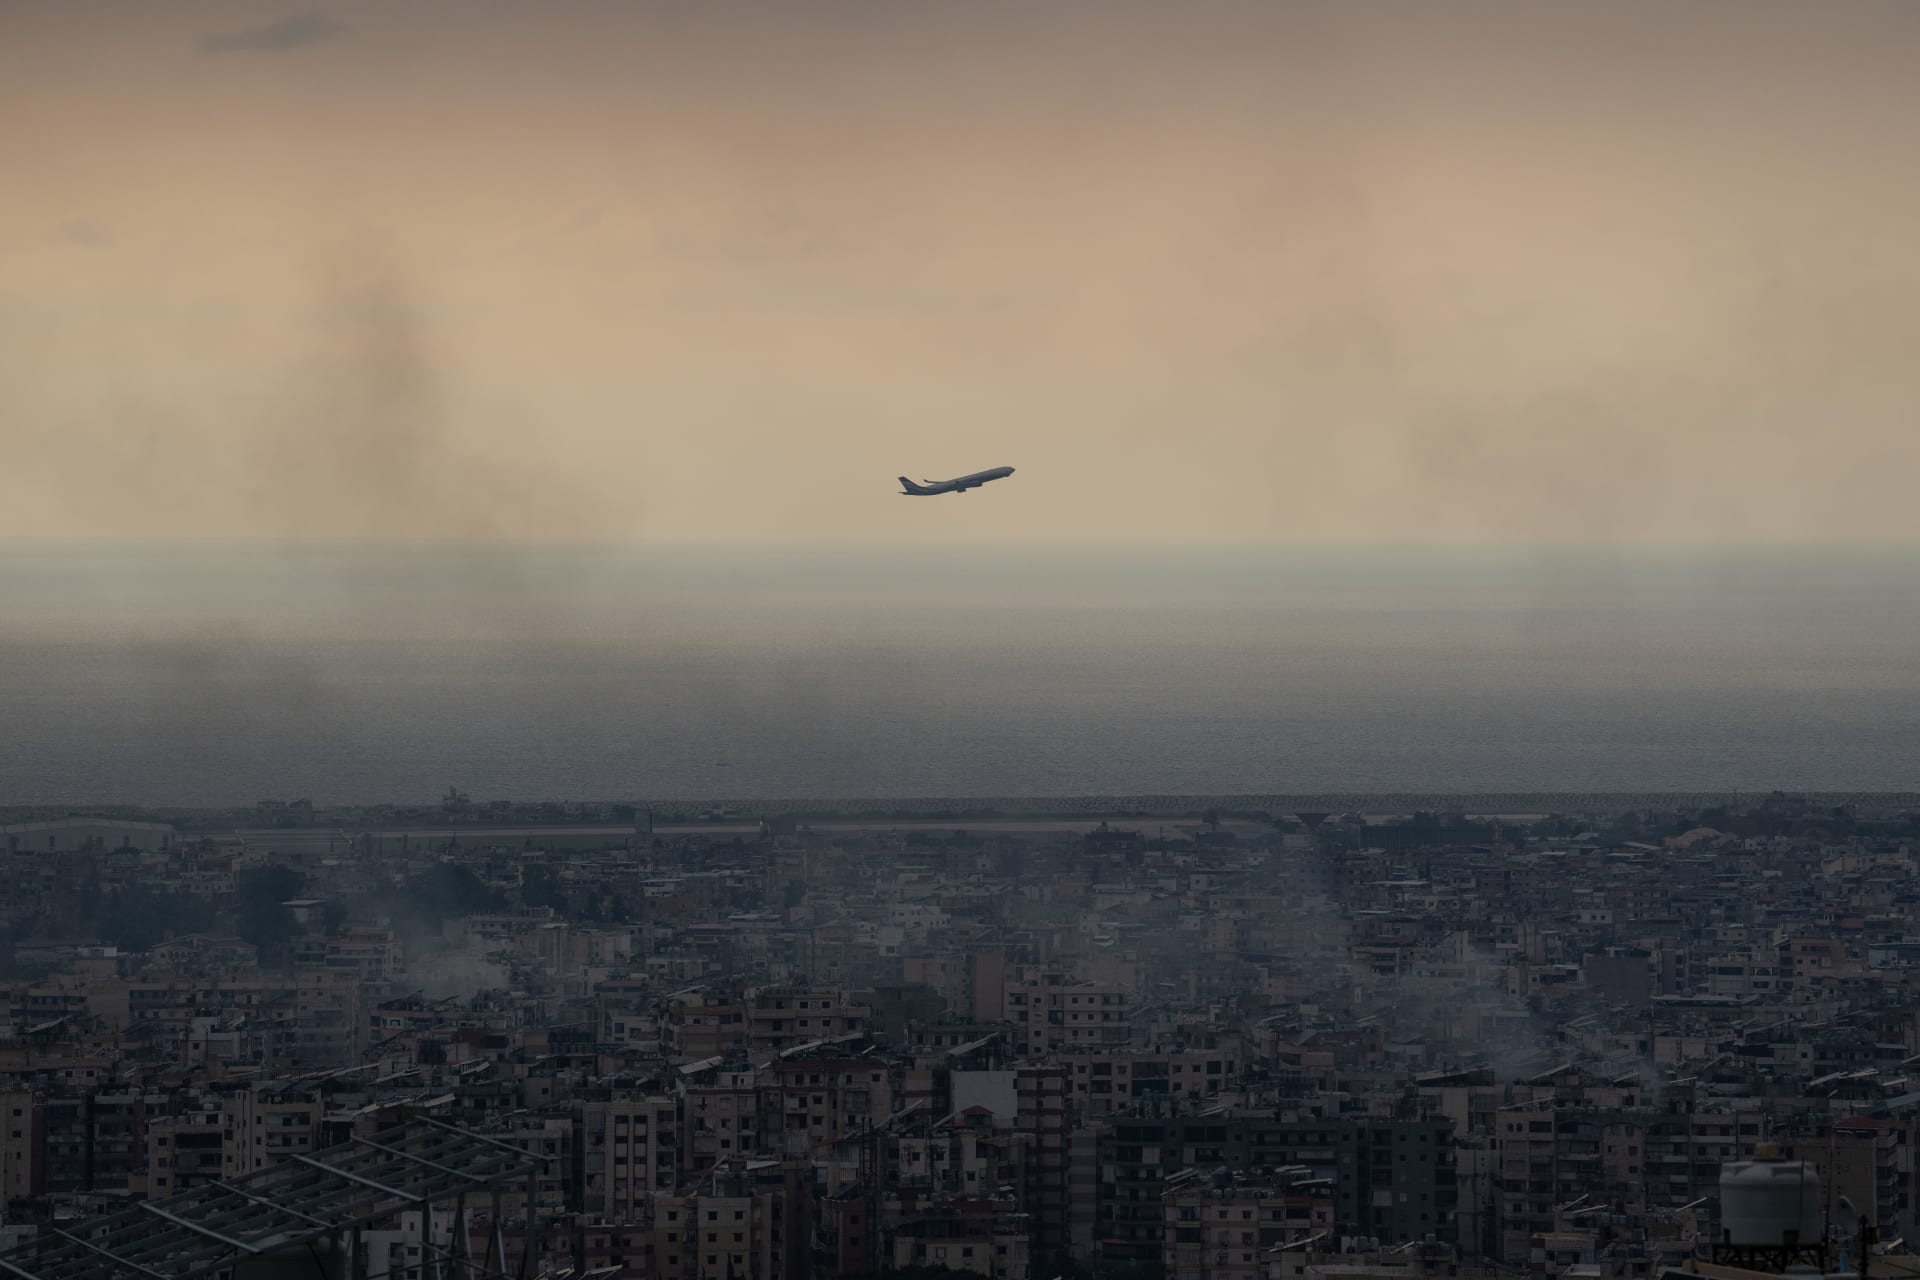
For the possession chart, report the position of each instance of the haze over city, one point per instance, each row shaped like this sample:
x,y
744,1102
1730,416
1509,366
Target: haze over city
x,y
1556,354
1287,273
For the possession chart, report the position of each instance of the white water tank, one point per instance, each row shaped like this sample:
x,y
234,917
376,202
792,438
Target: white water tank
x,y
1762,1199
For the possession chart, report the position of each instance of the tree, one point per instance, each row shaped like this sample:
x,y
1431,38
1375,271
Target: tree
x,y
539,887
269,926
137,917
260,913
267,884
446,889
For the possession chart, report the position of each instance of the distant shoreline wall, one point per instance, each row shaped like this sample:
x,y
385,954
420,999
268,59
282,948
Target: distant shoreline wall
x,y
1344,802
1487,803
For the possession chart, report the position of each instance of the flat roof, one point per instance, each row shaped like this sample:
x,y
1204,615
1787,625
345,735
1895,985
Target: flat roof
x,y
304,1198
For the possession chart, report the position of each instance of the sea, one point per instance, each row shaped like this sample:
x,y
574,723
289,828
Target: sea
x,y
206,675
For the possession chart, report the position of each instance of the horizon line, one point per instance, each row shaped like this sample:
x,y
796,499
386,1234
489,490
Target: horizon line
x,y
897,547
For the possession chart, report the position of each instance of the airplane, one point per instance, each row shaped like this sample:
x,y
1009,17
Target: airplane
x,y
961,485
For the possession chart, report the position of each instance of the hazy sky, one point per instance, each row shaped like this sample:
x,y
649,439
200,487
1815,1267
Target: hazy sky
x,y
700,270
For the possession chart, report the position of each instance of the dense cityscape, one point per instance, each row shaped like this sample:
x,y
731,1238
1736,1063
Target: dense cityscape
x,y
1183,1044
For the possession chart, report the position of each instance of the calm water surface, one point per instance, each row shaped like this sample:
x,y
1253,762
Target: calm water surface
x,y
129,676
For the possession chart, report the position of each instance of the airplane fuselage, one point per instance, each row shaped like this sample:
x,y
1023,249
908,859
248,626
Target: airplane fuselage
x,y
959,484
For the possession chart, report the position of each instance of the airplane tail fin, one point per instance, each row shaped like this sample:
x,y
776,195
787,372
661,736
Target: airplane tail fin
x,y
908,486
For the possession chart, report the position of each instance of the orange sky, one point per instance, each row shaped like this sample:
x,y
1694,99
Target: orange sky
x,y
1512,272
